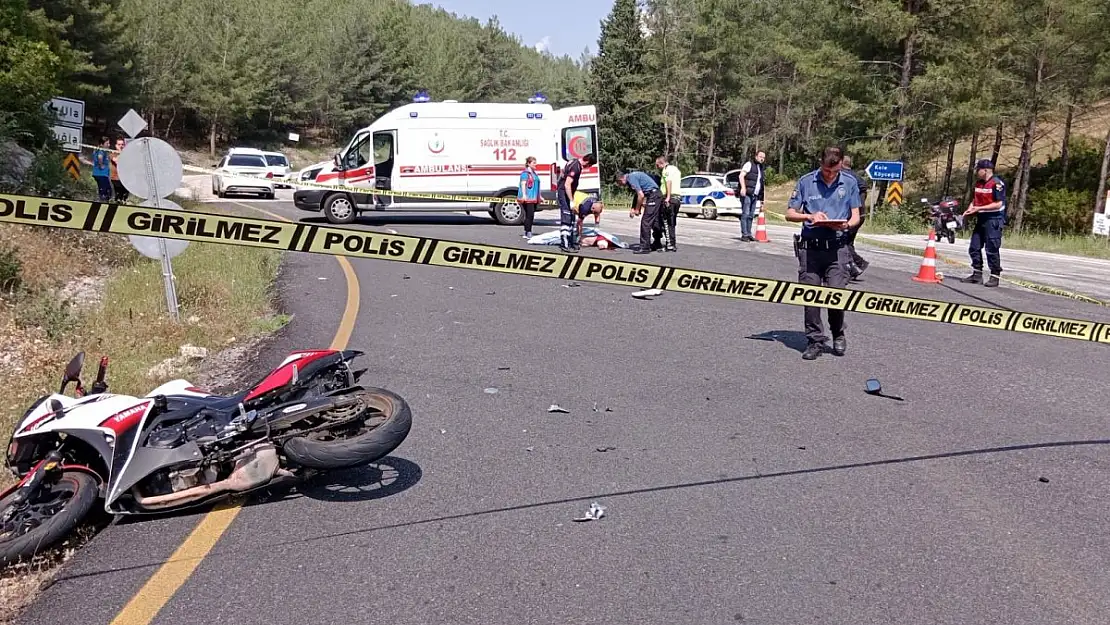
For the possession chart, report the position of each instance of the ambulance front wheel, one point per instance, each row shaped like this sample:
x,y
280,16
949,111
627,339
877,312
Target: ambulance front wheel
x,y
339,208
509,213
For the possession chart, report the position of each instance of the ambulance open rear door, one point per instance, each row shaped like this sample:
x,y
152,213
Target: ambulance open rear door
x,y
577,137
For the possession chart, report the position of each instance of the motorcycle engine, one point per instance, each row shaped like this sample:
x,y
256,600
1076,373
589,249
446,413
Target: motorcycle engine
x,y
192,476
166,438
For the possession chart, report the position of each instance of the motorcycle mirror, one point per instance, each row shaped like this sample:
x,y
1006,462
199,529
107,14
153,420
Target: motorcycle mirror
x,y
73,369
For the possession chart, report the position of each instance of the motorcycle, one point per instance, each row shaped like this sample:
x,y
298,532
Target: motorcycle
x,y
945,220
180,447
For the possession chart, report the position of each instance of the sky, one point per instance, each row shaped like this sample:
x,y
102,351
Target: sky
x,y
560,27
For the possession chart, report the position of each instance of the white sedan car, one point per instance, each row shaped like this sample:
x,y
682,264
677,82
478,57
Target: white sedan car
x,y
279,166
243,173
707,195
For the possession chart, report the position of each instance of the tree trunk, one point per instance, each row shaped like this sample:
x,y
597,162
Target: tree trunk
x,y
212,139
1064,153
1021,195
709,152
1100,197
1024,162
997,145
970,190
904,85
948,165
782,156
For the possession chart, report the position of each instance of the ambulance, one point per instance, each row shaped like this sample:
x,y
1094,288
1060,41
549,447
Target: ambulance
x,y
476,150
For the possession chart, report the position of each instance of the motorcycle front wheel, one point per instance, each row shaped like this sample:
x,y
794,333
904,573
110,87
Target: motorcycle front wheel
x,y
384,422
47,517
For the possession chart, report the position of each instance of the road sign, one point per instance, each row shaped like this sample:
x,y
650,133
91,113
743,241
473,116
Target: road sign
x,y
894,194
885,170
151,247
132,123
149,168
72,165
69,137
67,111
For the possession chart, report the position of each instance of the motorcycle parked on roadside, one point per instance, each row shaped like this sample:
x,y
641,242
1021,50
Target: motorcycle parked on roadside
x,y
945,220
180,447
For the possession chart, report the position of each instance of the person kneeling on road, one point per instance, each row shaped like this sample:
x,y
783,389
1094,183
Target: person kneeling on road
x,y
586,204
989,207
647,201
822,196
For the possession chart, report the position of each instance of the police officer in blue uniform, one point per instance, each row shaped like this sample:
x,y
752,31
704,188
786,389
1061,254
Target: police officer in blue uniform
x,y
823,195
989,207
648,200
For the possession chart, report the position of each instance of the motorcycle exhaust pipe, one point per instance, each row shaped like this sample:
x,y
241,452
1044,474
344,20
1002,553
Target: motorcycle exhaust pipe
x,y
251,471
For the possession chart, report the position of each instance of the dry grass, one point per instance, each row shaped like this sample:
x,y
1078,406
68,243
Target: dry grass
x,y
1091,123
94,293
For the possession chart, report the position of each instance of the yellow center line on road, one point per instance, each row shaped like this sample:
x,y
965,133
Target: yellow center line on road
x,y
145,605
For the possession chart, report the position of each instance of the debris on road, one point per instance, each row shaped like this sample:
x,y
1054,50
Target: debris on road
x,y
321,279
558,408
491,292
607,409
503,368
595,512
490,391
647,293
1043,480
605,449
443,431
529,449
571,285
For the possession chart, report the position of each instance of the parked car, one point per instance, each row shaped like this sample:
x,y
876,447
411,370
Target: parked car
x,y
279,165
708,195
243,173
308,174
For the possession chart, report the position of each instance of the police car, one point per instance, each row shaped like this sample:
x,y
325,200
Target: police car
x,y
706,194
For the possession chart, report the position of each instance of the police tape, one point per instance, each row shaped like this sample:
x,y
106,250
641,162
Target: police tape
x,y
337,241
442,197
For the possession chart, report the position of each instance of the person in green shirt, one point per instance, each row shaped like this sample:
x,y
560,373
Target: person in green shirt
x,y
672,200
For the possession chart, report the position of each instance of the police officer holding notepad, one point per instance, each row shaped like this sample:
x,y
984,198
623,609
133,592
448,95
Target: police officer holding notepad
x,y
827,203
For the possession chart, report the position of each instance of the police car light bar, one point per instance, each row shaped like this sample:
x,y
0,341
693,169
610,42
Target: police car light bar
x,y
422,96
539,98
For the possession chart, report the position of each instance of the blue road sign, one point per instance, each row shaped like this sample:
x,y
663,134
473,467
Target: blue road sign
x,y
885,170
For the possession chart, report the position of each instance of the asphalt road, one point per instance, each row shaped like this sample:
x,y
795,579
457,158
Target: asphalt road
x,y
744,485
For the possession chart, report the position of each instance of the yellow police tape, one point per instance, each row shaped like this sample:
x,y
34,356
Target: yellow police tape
x,y
337,241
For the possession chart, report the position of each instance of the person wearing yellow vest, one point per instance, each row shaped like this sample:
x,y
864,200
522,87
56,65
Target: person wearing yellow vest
x,y
672,200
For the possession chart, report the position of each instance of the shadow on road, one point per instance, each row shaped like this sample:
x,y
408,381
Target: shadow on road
x,y
385,478
621,493
791,338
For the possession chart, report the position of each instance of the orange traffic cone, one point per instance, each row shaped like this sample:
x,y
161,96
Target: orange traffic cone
x,y
928,270
761,228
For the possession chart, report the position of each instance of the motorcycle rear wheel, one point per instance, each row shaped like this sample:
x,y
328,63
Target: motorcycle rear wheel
x,y
356,444
51,513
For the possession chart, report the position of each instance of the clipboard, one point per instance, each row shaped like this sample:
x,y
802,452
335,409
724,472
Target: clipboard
x,y
830,223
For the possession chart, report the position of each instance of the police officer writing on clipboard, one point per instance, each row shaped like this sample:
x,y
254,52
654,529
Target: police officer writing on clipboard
x,y
827,202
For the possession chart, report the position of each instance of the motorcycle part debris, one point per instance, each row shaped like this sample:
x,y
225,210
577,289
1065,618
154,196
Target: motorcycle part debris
x,y
647,293
595,513
558,408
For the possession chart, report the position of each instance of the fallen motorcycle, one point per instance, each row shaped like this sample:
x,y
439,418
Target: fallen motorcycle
x,y
180,446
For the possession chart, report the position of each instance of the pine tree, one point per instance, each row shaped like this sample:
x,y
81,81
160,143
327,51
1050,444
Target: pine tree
x,y
620,88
